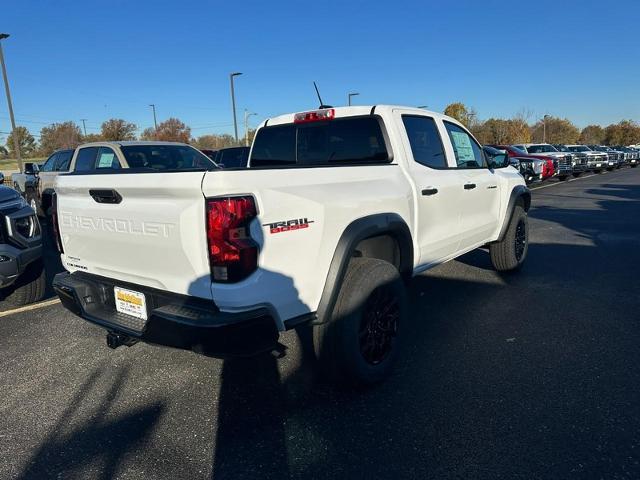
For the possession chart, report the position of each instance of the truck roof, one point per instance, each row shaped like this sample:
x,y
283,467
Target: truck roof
x,y
353,111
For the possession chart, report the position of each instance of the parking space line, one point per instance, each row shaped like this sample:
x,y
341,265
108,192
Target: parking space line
x,y
27,308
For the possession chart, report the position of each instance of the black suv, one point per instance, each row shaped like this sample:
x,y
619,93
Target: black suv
x,y
22,278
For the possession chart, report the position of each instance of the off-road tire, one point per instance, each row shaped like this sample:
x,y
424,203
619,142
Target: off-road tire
x,y
28,288
511,252
371,306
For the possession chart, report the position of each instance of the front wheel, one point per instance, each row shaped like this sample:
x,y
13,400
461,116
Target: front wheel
x,y
577,174
511,252
359,344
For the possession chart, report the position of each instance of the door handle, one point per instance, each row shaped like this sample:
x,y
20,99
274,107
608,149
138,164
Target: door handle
x,y
105,196
429,191
469,186
491,187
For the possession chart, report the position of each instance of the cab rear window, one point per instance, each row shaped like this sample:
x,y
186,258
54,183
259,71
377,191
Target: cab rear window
x,y
346,141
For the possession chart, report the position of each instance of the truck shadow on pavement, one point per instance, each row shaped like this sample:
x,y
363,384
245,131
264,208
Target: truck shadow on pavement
x,y
82,441
486,387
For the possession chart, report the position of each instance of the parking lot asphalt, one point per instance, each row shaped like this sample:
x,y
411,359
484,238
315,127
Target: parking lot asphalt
x,y
528,375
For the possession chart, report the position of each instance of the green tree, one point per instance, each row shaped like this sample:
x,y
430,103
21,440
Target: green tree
x,y
460,112
117,129
26,142
59,135
591,134
558,130
171,130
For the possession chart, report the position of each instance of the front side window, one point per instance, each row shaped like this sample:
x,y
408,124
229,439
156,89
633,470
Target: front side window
x,y
468,153
540,149
63,161
425,141
50,164
346,141
107,158
86,159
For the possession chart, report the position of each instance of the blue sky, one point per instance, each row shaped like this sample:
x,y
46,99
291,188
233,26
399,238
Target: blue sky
x,y
69,60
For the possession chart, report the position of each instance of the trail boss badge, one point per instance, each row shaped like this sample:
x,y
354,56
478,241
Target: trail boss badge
x,y
288,225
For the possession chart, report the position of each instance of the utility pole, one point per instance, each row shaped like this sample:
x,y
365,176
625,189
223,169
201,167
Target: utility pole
x,y
155,122
246,126
544,128
352,94
233,104
16,142
84,126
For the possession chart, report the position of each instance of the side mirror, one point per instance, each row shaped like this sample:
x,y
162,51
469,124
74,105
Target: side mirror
x,y
501,160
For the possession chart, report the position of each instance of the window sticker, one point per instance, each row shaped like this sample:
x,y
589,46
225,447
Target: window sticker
x,y
105,160
463,147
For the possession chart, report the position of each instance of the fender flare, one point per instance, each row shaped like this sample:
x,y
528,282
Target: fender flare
x,y
518,192
358,230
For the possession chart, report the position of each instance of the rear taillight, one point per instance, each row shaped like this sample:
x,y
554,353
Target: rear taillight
x,y
315,116
233,254
54,223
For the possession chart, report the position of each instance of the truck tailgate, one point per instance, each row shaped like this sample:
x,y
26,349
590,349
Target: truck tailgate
x,y
154,236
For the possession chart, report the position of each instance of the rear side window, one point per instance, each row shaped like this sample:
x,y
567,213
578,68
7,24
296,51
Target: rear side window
x,y
50,164
63,161
425,141
86,159
166,157
468,152
348,141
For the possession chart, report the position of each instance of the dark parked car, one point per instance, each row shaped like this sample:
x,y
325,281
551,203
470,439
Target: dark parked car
x,y
233,157
209,153
22,278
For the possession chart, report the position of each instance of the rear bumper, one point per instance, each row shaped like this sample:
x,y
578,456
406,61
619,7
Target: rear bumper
x,y
173,320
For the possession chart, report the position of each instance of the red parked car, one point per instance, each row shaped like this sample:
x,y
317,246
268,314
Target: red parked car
x,y
548,170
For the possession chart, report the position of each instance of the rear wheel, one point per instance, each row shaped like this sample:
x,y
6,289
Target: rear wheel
x,y
359,343
511,252
29,287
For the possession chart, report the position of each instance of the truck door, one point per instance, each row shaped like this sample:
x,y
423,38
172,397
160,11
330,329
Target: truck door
x,y
480,201
438,188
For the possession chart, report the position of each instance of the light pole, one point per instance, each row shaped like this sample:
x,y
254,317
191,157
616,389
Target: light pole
x,y
353,94
84,126
155,122
233,104
544,128
246,126
16,143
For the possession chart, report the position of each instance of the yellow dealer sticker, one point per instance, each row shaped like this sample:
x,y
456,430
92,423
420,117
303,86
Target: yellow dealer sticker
x,y
130,302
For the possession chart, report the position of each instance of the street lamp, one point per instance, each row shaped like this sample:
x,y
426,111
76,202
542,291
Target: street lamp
x,y
246,126
84,126
16,143
233,104
353,94
155,122
544,128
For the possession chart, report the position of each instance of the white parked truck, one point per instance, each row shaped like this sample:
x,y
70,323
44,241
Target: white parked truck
x,y
338,208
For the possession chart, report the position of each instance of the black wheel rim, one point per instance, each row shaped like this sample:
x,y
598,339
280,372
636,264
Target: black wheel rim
x,y
521,239
379,325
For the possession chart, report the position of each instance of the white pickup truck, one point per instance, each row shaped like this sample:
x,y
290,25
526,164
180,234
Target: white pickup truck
x,y
339,206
